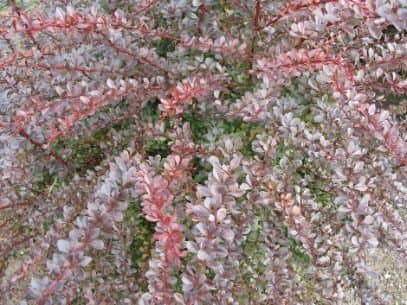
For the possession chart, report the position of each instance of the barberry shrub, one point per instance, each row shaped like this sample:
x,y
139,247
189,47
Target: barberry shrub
x,y
201,152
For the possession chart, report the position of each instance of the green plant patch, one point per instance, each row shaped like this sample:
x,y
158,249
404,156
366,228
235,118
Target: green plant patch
x,y
46,181
142,241
199,126
281,151
100,135
86,156
252,247
158,147
247,131
79,301
123,125
86,153
253,264
307,116
201,169
151,110
164,46
298,253
22,4
210,274
322,196
242,81
315,184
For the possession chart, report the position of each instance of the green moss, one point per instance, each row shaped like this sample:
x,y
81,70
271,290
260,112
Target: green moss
x,y
158,147
108,7
46,180
165,46
238,71
247,132
393,98
142,241
100,135
291,89
199,126
235,126
322,196
210,274
389,30
46,225
24,5
86,152
123,125
316,185
79,301
105,6
178,283
151,110
298,253
252,245
402,117
86,156
307,116
253,265
281,151
299,256
201,170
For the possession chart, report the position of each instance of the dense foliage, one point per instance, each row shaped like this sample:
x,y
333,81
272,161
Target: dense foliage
x,y
200,151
